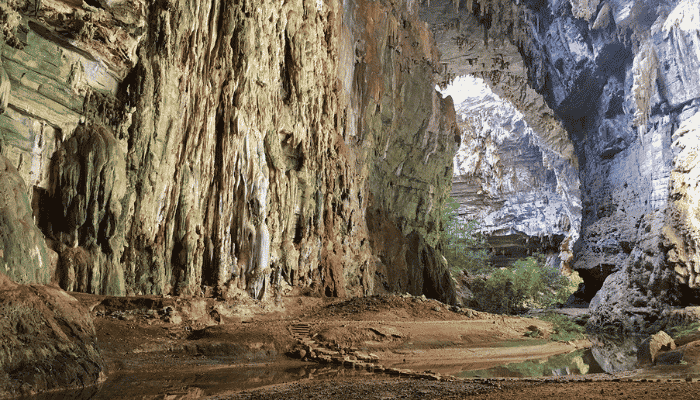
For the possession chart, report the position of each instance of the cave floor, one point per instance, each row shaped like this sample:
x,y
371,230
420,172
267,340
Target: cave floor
x,y
173,348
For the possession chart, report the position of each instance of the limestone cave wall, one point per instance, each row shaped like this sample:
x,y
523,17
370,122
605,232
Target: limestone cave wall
x,y
201,148
620,79
516,172
524,196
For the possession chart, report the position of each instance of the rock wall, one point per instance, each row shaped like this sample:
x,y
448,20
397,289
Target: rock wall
x,y
621,76
524,196
187,147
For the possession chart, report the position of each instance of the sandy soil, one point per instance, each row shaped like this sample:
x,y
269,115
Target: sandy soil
x,y
184,349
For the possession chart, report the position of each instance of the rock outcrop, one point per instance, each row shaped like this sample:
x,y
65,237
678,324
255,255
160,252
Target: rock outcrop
x,y
47,341
23,252
524,196
175,146
621,76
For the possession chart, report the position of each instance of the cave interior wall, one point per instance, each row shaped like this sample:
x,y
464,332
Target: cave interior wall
x,y
220,147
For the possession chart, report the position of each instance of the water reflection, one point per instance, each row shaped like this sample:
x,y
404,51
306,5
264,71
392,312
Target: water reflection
x,y
616,354
200,382
579,362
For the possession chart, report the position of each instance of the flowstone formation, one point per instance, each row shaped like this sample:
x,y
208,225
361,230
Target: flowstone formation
x,y
209,148
622,77
524,196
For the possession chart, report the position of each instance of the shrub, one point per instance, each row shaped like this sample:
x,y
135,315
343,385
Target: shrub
x,y
685,329
529,283
463,246
564,328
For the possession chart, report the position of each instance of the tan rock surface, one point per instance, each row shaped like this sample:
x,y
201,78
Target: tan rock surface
x,y
231,146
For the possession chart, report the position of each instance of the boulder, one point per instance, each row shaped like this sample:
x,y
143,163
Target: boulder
x,y
670,358
47,341
651,347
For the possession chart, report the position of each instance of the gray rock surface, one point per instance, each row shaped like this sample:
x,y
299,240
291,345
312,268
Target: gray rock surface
x,y
624,138
524,195
621,76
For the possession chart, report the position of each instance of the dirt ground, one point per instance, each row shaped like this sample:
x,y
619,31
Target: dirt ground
x,y
381,347
385,389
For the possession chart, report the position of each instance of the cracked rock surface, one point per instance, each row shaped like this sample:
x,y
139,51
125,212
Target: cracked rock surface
x,y
619,78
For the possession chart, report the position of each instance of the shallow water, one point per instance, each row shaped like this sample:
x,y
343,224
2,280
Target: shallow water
x,y
579,362
209,377
200,381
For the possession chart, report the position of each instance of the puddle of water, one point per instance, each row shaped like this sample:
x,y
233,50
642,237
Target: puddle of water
x,y
616,354
205,380
213,376
579,362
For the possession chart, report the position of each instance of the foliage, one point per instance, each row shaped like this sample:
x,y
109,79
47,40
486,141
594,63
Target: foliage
x,y
464,247
564,328
678,331
530,282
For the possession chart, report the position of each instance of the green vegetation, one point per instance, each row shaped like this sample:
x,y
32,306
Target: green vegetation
x,y
529,283
574,363
564,328
686,329
464,247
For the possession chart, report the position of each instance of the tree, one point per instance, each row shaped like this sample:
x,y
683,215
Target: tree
x,y
464,247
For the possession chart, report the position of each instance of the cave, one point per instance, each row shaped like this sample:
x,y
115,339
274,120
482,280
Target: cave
x,y
249,151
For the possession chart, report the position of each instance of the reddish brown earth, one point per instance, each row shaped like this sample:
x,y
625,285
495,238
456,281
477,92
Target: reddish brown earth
x,y
206,348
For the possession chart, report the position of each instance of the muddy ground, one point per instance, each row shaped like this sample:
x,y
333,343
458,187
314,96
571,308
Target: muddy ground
x,y
302,347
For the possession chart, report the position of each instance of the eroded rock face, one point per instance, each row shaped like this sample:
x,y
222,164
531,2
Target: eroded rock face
x,y
47,341
524,196
631,217
621,76
23,252
179,145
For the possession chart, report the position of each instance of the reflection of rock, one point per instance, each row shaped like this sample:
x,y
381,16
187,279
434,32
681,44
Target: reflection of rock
x,y
615,354
48,340
624,353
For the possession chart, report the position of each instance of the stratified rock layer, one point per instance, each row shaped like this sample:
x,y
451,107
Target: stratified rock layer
x,y
179,145
524,196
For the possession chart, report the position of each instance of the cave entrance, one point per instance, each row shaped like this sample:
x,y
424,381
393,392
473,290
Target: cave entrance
x,y
507,178
518,191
